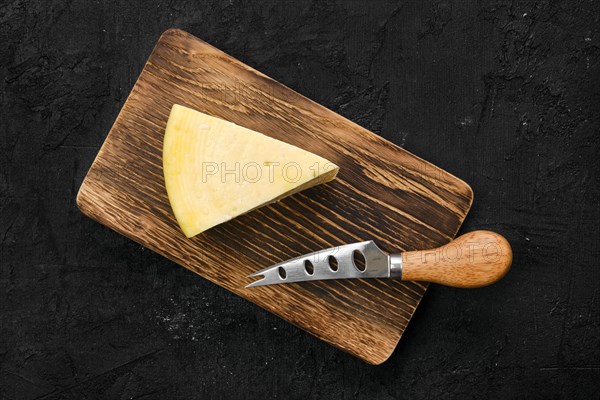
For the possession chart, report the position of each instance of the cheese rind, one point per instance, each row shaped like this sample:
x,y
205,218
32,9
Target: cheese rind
x,y
216,170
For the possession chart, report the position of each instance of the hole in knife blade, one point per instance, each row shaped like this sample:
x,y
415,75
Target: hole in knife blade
x,y
359,260
282,273
308,267
333,263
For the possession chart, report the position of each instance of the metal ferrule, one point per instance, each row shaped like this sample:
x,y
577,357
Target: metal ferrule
x,y
396,266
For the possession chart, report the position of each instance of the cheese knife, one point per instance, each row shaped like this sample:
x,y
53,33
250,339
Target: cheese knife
x,y
475,259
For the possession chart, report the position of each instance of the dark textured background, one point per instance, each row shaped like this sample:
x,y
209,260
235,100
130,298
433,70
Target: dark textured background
x,y
503,95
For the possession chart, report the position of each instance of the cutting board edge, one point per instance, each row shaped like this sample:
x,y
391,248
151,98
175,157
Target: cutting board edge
x,y
384,359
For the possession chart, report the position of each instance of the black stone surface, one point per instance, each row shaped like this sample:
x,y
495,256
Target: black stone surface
x,y
503,94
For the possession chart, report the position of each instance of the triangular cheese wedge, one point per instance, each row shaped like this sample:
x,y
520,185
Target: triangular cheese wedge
x,y
216,170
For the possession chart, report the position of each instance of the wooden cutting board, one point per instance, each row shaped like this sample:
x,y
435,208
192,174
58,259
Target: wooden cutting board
x,y
382,192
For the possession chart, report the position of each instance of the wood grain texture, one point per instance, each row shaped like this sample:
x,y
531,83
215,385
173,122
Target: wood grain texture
x,y
472,260
382,192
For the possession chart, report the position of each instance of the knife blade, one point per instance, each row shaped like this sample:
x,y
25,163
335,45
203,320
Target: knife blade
x,y
476,259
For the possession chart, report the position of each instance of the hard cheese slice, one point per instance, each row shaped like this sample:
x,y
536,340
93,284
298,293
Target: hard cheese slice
x,y
216,170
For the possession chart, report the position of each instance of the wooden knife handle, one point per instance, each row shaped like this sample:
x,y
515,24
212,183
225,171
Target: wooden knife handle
x,y
472,260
